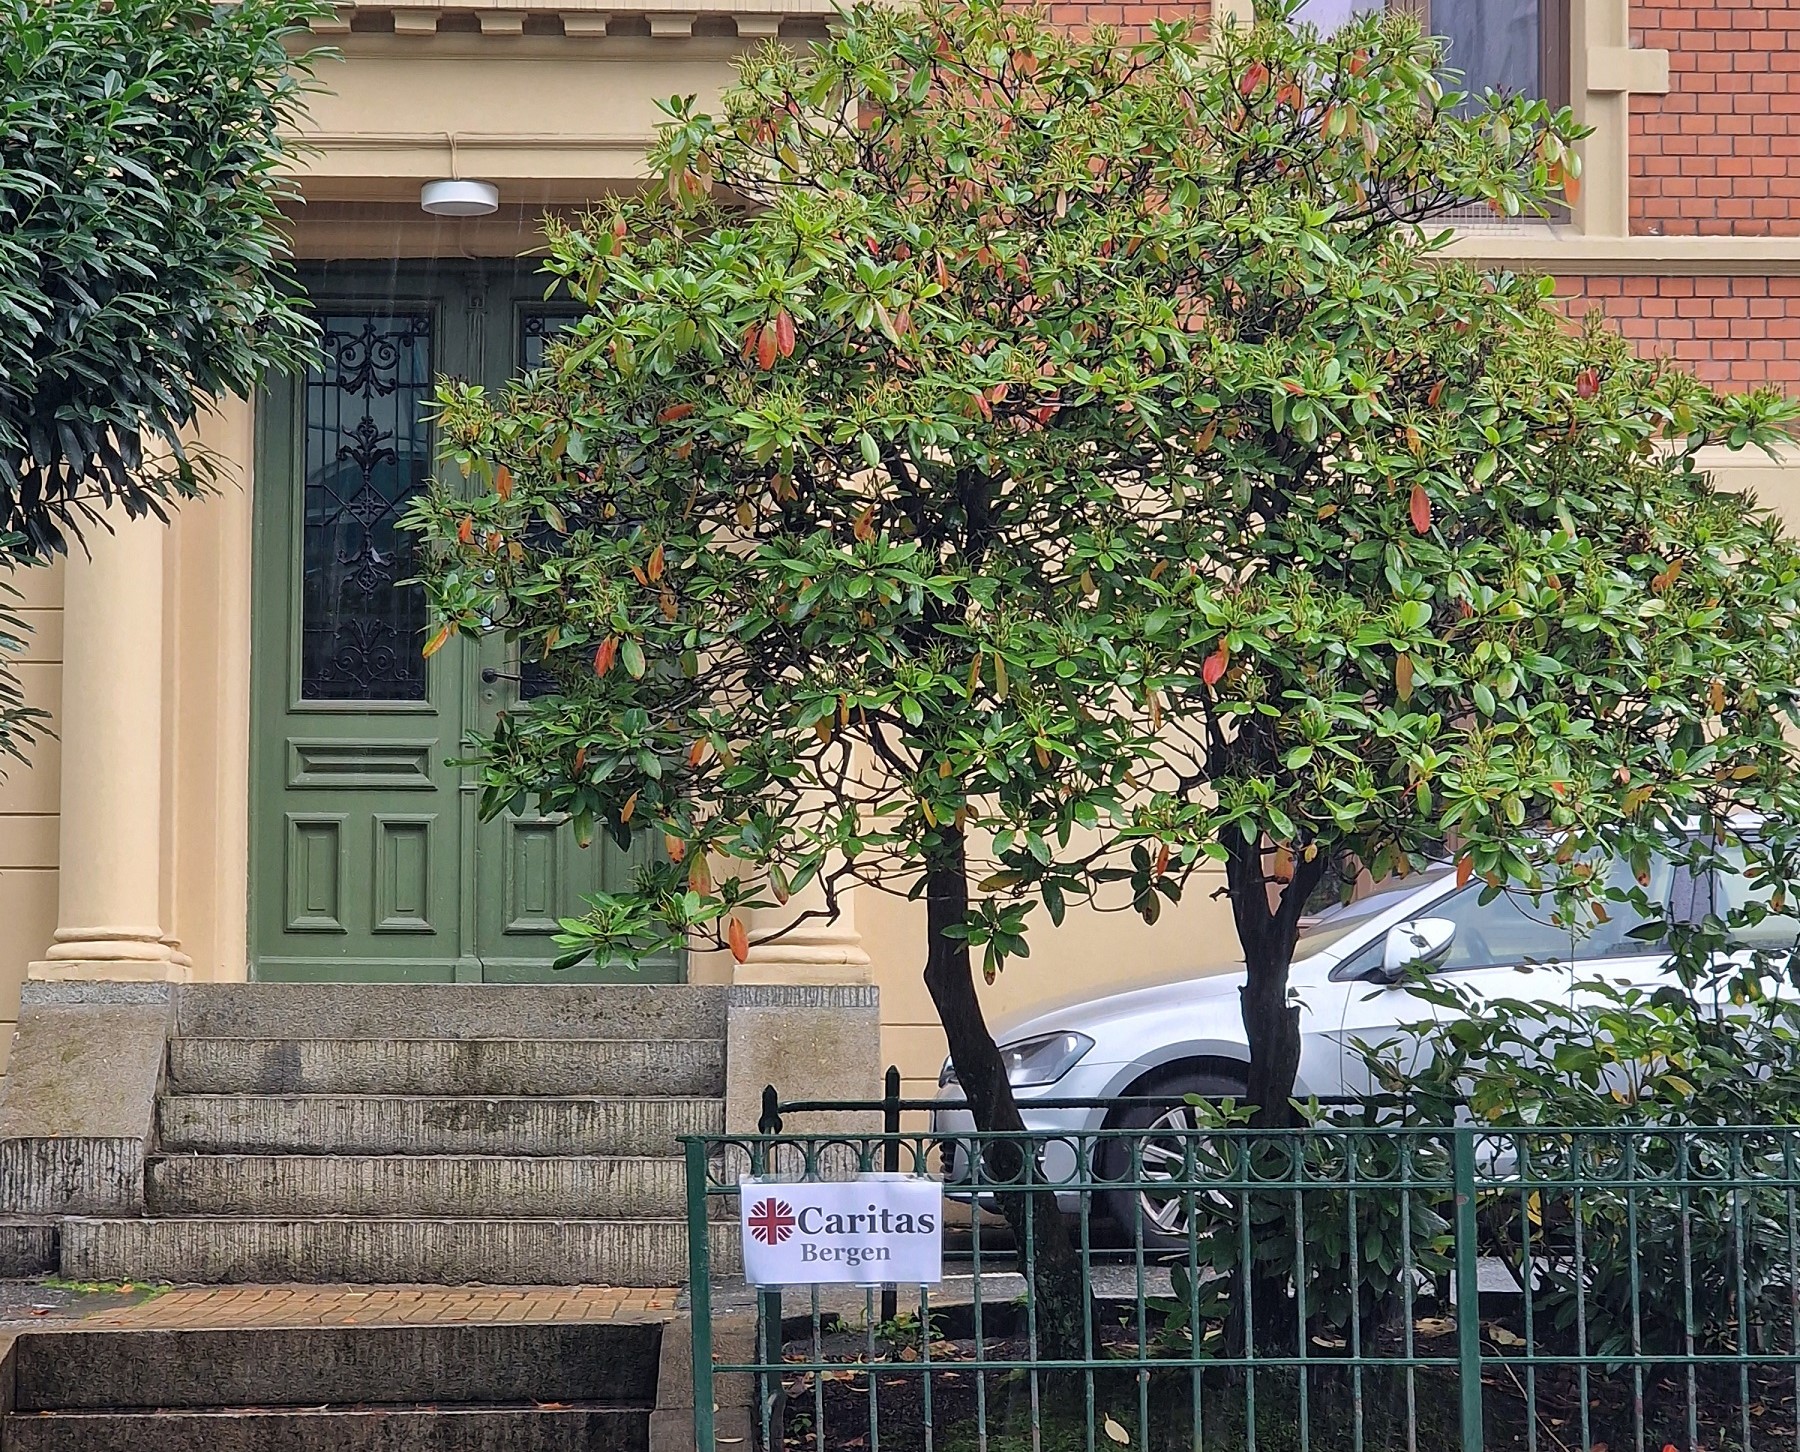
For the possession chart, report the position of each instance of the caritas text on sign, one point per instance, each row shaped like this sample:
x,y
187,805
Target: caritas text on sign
x,y
849,1232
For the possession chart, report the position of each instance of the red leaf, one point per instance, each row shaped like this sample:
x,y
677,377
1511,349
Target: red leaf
x,y
766,351
784,334
1213,671
1254,75
606,655
1437,392
1421,509
1587,382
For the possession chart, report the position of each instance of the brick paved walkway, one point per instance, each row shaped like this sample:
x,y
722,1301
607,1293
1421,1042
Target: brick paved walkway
x,y
228,1307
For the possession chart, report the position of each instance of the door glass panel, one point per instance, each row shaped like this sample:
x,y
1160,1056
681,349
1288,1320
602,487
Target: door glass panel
x,y
367,452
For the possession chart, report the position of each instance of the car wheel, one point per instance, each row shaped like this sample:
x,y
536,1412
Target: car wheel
x,y
1165,1132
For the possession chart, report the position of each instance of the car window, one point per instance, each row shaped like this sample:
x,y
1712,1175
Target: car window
x,y
1515,929
1732,892
1614,938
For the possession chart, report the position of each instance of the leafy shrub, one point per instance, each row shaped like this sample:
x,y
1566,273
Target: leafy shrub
x,y
1670,1110
1332,1240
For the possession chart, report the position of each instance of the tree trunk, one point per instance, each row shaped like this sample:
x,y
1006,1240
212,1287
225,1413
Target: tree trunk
x,y
1056,1273
1271,1023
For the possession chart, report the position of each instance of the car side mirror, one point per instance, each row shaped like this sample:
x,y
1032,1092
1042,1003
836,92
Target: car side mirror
x,y
1423,941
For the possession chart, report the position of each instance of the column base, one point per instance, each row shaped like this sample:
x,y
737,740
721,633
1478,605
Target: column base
x,y
111,970
112,956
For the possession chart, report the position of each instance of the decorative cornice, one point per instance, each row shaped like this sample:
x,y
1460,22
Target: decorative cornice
x,y
594,20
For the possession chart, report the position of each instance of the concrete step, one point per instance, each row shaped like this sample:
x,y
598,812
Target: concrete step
x,y
611,1363
450,1011
351,1429
27,1249
214,1250
372,1124
427,1185
410,1065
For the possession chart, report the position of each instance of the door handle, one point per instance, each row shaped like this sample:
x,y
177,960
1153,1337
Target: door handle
x,y
489,675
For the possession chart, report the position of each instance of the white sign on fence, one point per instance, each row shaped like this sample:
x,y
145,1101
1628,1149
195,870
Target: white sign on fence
x,y
848,1232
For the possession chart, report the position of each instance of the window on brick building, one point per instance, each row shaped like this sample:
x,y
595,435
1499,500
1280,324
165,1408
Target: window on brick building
x,y
1512,46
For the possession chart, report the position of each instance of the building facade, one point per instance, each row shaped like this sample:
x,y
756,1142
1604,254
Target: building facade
x,y
256,781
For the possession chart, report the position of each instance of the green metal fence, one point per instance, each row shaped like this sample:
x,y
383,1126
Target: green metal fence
x,y
1346,1287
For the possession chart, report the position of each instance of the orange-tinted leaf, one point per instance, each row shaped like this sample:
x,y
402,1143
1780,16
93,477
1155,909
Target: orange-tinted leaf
x,y
580,759
436,643
1718,697
1213,671
675,847
466,530
1420,509
1403,676
697,752
738,939
503,485
1465,869
1414,445
864,528
1254,75
675,412
766,351
629,807
1162,860
751,334
606,655
655,567
1571,188
666,602
1437,392
700,875
784,333
1661,582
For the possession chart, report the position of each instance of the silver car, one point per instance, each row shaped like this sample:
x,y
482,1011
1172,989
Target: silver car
x,y
1182,1033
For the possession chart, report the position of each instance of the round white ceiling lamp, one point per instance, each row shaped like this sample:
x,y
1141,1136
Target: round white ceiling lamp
x,y
454,197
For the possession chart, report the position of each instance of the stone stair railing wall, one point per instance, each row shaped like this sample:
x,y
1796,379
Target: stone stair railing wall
x,y
386,1133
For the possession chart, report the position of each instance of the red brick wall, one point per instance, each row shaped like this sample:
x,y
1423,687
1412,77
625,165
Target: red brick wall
x,y
1737,331
1131,18
1720,154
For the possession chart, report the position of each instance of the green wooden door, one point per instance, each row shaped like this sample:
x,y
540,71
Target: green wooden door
x,y
367,857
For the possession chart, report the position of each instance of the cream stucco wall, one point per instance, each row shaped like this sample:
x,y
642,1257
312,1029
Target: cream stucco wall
x,y
556,104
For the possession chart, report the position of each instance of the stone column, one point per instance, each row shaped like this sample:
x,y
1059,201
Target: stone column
x,y
818,951
110,861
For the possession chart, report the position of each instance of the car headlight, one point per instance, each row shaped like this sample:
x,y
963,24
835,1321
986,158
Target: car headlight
x,y
1032,1062
1043,1060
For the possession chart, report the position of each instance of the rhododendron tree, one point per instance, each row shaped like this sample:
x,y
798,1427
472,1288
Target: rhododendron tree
x,y
1013,471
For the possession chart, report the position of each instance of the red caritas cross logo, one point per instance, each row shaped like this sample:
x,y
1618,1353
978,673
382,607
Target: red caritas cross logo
x,y
772,1221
